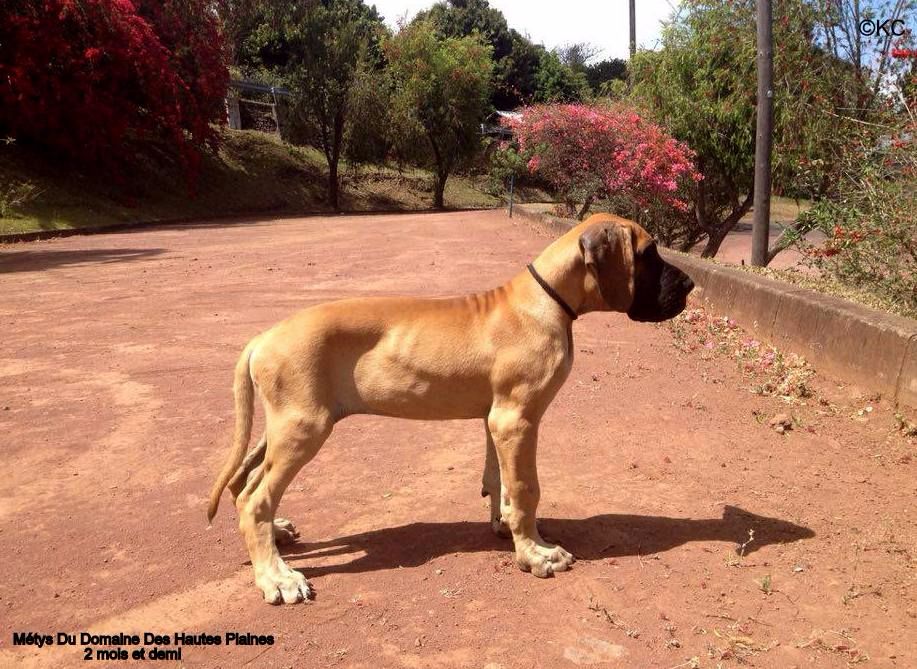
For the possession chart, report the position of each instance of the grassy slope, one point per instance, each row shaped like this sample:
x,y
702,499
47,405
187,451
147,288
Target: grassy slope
x,y
784,210
254,172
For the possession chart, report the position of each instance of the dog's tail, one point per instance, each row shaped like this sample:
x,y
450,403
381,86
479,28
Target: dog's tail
x,y
244,393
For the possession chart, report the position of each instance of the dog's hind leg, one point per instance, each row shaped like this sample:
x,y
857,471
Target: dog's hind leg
x,y
293,439
490,486
285,531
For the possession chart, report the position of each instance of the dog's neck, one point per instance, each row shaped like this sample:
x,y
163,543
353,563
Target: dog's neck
x,y
561,265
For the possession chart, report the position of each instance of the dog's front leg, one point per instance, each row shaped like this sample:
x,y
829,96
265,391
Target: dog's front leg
x,y
490,486
515,438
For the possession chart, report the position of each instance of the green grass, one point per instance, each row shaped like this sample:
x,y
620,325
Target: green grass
x,y
784,210
825,283
253,173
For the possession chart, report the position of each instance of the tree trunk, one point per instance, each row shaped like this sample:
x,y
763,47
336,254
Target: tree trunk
x,y
443,167
442,172
333,185
787,239
718,233
714,241
438,190
585,208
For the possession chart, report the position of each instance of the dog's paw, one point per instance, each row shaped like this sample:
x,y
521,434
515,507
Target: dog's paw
x,y
282,585
543,560
500,528
285,532
497,524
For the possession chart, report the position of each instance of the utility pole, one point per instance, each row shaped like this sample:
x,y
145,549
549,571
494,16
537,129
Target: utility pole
x,y
633,28
760,232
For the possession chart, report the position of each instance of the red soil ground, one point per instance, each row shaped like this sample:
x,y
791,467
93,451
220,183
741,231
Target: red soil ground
x,y
115,405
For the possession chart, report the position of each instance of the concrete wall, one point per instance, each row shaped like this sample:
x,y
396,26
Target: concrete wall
x,y
870,349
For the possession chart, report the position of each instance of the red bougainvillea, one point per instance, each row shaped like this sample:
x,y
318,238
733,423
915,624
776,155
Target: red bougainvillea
x,y
95,79
590,152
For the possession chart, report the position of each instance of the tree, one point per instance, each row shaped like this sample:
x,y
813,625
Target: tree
x,y
600,74
368,138
701,86
523,72
838,25
238,20
590,153
869,231
99,81
326,42
256,42
515,75
557,82
515,58
461,18
441,92
577,55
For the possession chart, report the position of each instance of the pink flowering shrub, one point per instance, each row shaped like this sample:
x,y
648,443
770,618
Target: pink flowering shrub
x,y
590,153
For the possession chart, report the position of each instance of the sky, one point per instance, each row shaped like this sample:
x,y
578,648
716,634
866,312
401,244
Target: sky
x,y
602,23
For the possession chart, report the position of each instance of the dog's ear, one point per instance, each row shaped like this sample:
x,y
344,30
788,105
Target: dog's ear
x,y
608,251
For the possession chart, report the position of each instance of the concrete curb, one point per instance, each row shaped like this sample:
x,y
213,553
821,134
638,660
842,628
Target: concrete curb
x,y
865,347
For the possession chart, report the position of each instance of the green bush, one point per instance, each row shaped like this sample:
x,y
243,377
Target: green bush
x,y
505,162
870,229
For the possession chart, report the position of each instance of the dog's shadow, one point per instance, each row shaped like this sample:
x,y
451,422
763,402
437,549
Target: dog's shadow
x,y
604,536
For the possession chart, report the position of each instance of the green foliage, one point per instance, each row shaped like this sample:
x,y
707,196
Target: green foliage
x,y
613,89
557,82
702,82
241,21
523,72
702,86
870,227
256,42
368,137
505,162
461,18
326,45
515,75
606,75
441,92
515,59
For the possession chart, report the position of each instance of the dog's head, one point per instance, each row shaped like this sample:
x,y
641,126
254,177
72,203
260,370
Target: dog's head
x,y
629,274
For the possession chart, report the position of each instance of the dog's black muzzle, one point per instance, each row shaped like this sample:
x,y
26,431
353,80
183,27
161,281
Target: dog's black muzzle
x,y
661,293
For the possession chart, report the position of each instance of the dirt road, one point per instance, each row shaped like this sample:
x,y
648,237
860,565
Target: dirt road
x,y
115,372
